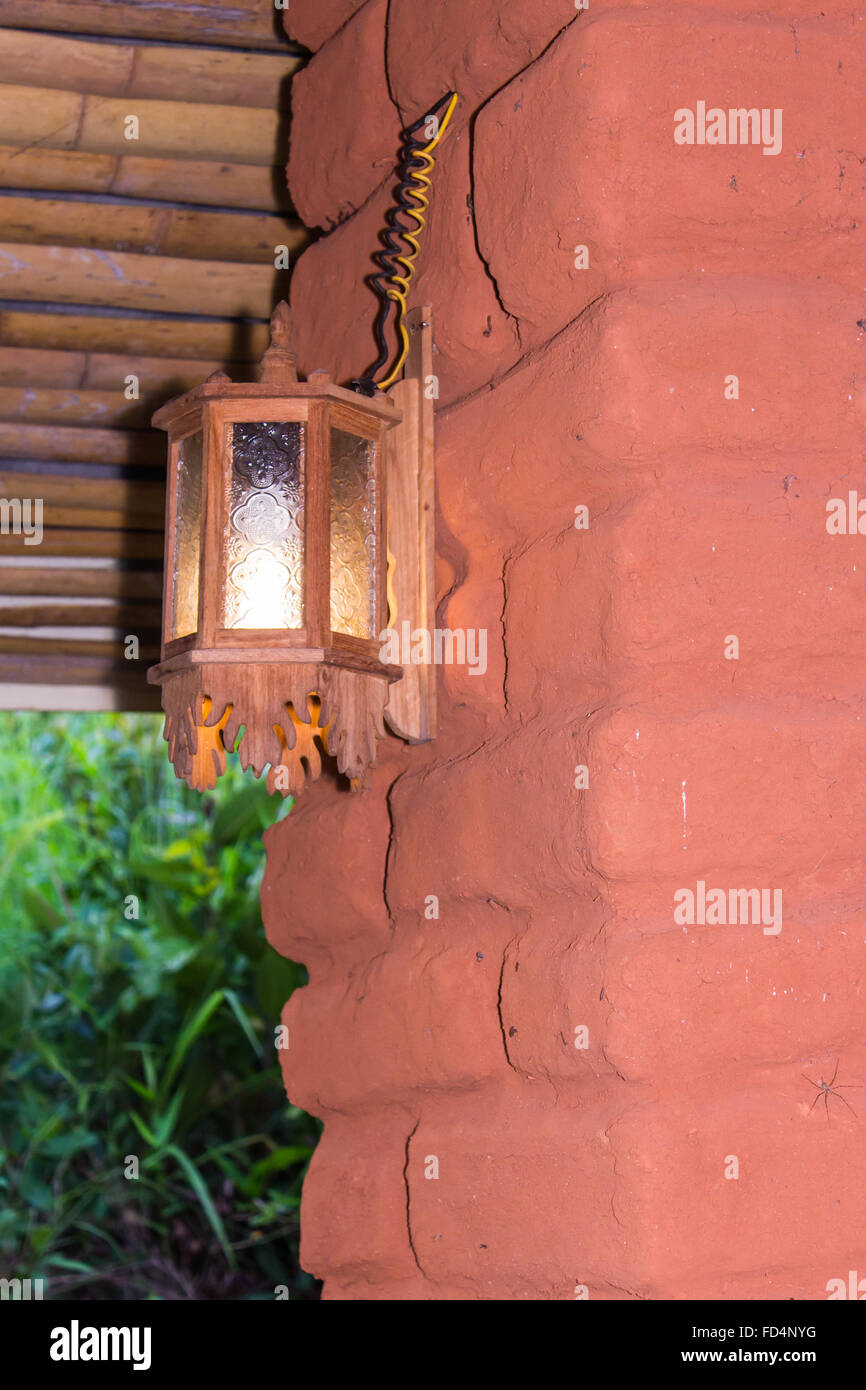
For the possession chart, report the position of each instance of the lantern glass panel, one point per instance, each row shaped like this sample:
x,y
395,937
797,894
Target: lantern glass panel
x,y
264,540
187,537
353,534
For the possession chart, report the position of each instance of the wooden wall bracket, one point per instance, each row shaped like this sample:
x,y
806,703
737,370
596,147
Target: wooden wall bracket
x,y
411,709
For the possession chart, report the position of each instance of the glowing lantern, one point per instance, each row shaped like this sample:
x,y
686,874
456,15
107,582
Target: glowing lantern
x,y
275,574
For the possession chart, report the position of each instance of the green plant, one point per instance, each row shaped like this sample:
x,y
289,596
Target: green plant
x,y
138,1000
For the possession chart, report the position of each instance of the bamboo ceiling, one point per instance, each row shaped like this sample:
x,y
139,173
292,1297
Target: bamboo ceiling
x,y
150,258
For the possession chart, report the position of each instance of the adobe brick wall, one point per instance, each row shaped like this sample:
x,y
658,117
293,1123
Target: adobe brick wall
x,y
603,1167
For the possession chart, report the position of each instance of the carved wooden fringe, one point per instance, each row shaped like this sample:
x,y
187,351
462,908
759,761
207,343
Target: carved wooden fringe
x,y
285,713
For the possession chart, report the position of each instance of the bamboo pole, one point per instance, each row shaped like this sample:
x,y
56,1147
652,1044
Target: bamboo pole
x,y
229,79
177,232
78,65
68,444
41,367
88,544
110,337
221,185
170,376
128,687
61,646
127,496
128,280
62,120
77,582
237,24
64,406
104,372
56,516
131,617
165,72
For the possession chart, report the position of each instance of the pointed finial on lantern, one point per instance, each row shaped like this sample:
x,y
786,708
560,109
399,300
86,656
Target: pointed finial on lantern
x,y
279,365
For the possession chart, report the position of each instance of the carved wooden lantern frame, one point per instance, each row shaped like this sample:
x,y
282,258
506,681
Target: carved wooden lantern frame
x,y
276,574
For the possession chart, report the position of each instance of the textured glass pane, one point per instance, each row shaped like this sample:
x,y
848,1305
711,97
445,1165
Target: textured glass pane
x,y
265,541
187,538
353,534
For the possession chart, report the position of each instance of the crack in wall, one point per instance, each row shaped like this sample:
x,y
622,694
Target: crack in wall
x,y
505,564
499,1004
389,849
394,102
409,1139
527,358
476,242
472,123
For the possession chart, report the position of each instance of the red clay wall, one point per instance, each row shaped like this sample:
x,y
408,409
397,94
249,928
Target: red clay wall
x,y
609,1167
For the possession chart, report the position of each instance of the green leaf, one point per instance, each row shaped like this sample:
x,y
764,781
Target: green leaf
x,y
72,1142
195,1026
42,913
146,1134
248,813
274,1162
62,1262
276,980
200,1189
44,1131
164,1124
49,1055
242,1017
35,1192
39,1238
144,1091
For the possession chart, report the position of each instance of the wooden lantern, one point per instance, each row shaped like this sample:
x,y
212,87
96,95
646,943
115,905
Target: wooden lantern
x,y
275,574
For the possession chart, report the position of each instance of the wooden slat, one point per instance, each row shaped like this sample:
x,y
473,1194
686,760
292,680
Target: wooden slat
x,y
61,120
236,23
68,406
104,372
40,367
131,617
161,72
139,499
181,232
98,518
46,60
78,582
222,185
127,280
411,708
222,342
59,646
66,444
230,79
130,687
44,405
71,647
89,544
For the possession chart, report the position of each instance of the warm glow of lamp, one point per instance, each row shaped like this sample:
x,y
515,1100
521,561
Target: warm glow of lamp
x,y
275,574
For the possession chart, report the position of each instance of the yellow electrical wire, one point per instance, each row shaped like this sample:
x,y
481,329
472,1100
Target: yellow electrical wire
x,y
399,284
